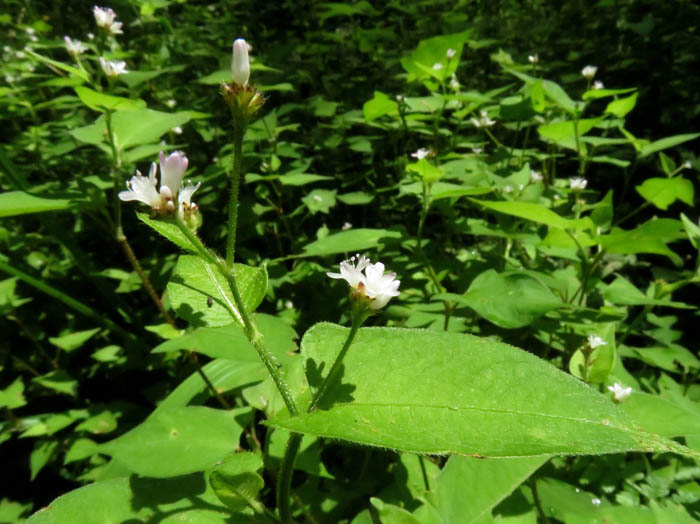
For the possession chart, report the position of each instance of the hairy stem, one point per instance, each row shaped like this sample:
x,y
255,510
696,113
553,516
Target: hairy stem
x,y
238,132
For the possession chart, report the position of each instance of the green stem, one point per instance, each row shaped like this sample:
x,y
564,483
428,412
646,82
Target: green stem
x,y
250,329
285,478
238,132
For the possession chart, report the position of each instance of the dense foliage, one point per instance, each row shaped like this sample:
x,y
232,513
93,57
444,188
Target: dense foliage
x,y
526,170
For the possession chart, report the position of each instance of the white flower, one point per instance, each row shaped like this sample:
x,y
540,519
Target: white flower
x,y
589,71
578,183
477,150
507,188
533,59
686,165
380,287
162,200
400,99
20,54
483,120
595,341
451,53
454,83
374,285
620,394
346,226
171,103
437,66
74,47
535,176
596,501
113,69
240,64
421,153
29,30
177,130
106,19
6,49
598,85
91,36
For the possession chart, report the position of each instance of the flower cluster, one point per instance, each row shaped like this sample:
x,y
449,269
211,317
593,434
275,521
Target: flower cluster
x,y
106,19
162,200
372,287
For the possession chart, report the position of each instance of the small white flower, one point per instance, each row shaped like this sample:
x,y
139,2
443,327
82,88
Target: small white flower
x,y
6,49
533,59
507,188
20,54
437,66
589,71
421,153
454,83
33,38
113,69
91,36
598,85
162,200
535,176
177,130
29,30
240,63
346,226
318,198
596,501
31,68
380,287
451,53
171,103
578,183
483,120
351,270
74,47
620,394
400,99
595,341
687,165
289,304
106,19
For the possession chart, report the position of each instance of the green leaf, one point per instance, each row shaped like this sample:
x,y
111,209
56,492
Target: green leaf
x,y
622,106
102,102
350,241
13,203
447,393
183,499
58,381
665,143
177,441
13,395
488,481
74,340
391,514
651,237
521,298
320,200
42,453
536,213
662,192
81,449
380,105
564,133
419,62
169,231
622,292
195,282
424,169
236,481
663,416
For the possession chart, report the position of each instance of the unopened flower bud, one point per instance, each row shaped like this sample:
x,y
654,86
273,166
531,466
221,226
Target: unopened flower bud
x,y
240,65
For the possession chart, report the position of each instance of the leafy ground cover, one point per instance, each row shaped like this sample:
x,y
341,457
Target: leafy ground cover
x,y
508,188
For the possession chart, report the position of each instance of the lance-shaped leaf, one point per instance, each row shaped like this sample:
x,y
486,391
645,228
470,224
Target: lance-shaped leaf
x,y
447,393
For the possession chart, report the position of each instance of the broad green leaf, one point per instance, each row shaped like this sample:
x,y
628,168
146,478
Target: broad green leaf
x,y
81,449
622,106
169,231
663,416
592,94
73,71
651,237
73,340
42,453
379,106
11,511
622,292
445,393
564,133
320,200
195,282
487,481
132,128
420,61
13,203
521,298
99,424
121,500
230,342
103,102
536,213
177,441
59,381
236,481
349,242
665,143
692,230
662,192
673,358
392,514
356,198
12,396
427,171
